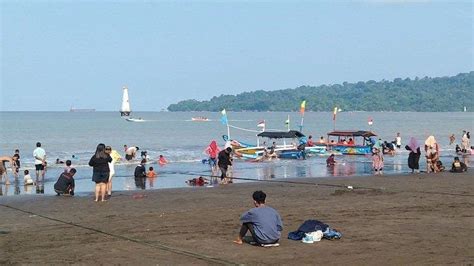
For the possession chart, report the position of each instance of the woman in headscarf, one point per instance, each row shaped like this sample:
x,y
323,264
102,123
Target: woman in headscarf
x,y
432,154
377,161
212,151
414,156
101,171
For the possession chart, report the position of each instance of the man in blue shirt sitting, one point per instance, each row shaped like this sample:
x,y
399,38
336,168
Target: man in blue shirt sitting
x,y
263,222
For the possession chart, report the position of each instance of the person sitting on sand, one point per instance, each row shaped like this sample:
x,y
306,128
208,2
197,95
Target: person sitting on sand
x,y
330,161
263,222
65,183
458,166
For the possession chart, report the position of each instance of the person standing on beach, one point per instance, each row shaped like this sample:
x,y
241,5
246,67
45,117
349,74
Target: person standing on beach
x,y
40,163
212,151
115,157
465,142
377,161
101,171
224,161
263,222
432,154
414,156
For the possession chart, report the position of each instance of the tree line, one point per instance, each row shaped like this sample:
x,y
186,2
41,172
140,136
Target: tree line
x,y
439,94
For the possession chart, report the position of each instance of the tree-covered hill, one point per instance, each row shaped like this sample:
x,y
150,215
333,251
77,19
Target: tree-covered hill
x,y
440,94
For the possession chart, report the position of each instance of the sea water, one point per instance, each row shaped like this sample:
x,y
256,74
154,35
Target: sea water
x,y
182,141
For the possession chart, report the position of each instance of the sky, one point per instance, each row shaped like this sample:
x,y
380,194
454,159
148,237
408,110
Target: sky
x,y
58,54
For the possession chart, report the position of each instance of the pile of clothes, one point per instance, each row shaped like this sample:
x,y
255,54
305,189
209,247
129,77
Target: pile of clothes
x,y
312,231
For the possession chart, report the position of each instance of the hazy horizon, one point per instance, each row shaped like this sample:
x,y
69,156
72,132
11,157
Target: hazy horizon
x,y
58,55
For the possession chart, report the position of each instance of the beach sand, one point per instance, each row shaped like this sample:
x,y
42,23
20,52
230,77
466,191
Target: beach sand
x,y
404,219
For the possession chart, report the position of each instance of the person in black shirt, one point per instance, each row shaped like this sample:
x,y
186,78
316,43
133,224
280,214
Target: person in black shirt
x,y
140,175
224,160
100,174
65,183
458,166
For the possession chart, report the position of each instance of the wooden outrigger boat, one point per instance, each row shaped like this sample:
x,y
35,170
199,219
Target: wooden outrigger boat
x,y
285,150
339,141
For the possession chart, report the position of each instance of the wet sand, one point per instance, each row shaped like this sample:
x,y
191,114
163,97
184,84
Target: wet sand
x,y
403,219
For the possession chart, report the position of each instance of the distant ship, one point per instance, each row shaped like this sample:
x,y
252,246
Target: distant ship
x,y
81,110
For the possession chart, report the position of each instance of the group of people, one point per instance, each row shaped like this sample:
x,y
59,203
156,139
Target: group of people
x,y
39,155
432,155
102,162
221,159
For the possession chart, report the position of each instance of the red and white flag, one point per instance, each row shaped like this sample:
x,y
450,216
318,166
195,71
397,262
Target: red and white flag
x,y
261,123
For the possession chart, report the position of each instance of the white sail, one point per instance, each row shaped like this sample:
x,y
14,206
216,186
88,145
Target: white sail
x,y
125,110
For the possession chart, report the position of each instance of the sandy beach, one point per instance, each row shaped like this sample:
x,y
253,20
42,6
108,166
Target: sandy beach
x,y
397,219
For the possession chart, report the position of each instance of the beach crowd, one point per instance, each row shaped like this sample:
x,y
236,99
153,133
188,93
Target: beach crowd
x,y
220,161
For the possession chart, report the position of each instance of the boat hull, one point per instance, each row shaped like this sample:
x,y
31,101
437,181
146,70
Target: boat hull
x,y
351,149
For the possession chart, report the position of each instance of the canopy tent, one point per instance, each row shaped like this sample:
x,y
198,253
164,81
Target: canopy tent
x,y
292,134
349,133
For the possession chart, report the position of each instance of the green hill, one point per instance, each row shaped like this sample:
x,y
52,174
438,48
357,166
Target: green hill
x,y
442,94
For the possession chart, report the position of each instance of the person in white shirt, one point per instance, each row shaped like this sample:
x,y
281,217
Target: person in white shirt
x,y
27,180
398,141
40,161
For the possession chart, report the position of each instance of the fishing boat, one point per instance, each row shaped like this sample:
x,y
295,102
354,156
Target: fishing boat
x,y
135,120
285,150
125,110
200,119
338,141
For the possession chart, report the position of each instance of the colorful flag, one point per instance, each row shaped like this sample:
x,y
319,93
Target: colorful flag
x,y
302,107
334,114
224,117
261,124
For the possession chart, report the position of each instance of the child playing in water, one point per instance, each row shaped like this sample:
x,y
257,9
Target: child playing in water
x,y
162,160
27,180
151,172
68,166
